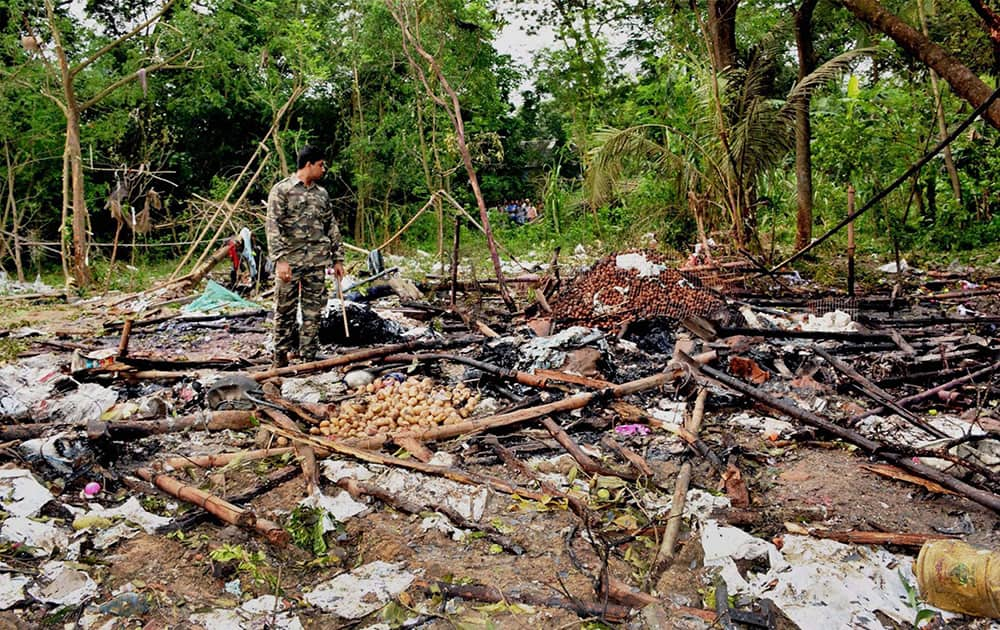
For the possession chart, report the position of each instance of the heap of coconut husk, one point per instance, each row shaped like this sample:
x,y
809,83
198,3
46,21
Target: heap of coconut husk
x,y
634,285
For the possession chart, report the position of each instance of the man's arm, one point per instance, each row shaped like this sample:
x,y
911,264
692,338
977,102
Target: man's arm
x,y
277,209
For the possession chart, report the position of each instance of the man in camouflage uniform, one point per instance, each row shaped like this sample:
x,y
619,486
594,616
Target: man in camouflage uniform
x,y
303,239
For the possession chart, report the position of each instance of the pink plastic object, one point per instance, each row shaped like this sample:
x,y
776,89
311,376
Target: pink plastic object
x,y
91,488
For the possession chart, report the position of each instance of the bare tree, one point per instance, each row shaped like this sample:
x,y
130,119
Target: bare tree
x,y
451,105
72,105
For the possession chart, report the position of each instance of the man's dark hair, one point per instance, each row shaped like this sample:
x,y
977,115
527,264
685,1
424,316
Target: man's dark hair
x,y
307,154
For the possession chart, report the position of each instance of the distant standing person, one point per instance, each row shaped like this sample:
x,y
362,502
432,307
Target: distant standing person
x,y
303,240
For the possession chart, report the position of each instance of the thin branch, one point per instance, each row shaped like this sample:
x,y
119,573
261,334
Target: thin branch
x,y
75,70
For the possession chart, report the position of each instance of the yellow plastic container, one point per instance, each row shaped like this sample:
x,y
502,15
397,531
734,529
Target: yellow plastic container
x,y
955,576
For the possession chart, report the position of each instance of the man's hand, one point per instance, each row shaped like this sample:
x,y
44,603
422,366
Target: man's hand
x,y
338,269
283,271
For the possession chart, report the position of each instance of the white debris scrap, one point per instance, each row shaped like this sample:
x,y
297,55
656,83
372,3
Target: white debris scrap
x,y
362,591
817,583
468,501
765,424
21,494
340,506
60,584
12,589
133,512
640,263
335,470
834,321
40,538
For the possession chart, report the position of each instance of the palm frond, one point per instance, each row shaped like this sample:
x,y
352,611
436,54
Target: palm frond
x,y
823,75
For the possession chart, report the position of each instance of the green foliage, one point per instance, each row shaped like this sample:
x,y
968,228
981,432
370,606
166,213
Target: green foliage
x,y
252,563
10,349
305,525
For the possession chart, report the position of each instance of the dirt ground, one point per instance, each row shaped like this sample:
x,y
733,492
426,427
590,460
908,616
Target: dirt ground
x,y
811,480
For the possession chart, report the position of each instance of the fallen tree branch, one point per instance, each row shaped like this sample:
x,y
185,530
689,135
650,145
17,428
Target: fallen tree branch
x,y
587,464
579,507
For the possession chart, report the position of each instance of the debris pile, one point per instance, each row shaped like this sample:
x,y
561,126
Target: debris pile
x,y
780,472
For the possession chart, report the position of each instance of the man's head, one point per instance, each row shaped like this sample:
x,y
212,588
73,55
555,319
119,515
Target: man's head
x,y
308,154
311,163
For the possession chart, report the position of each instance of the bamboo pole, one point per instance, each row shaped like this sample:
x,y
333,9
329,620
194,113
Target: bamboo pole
x,y
223,459
218,507
665,555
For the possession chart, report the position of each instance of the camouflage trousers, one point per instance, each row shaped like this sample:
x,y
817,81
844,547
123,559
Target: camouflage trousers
x,y
308,288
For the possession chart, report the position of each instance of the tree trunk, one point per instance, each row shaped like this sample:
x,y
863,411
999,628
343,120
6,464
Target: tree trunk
x,y
722,29
949,163
963,81
81,269
803,130
72,160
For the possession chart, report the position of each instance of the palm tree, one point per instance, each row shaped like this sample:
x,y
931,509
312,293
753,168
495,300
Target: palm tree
x,y
743,133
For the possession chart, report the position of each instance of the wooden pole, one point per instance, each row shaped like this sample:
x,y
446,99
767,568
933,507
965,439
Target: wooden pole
x,y
850,241
343,309
126,333
454,260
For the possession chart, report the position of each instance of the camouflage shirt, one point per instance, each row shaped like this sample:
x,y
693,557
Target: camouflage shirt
x,y
301,228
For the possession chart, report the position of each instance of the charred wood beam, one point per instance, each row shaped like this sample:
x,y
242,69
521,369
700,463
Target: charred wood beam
x,y
833,335
364,355
927,322
135,429
919,377
186,319
612,613
523,378
872,447
877,394
934,391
